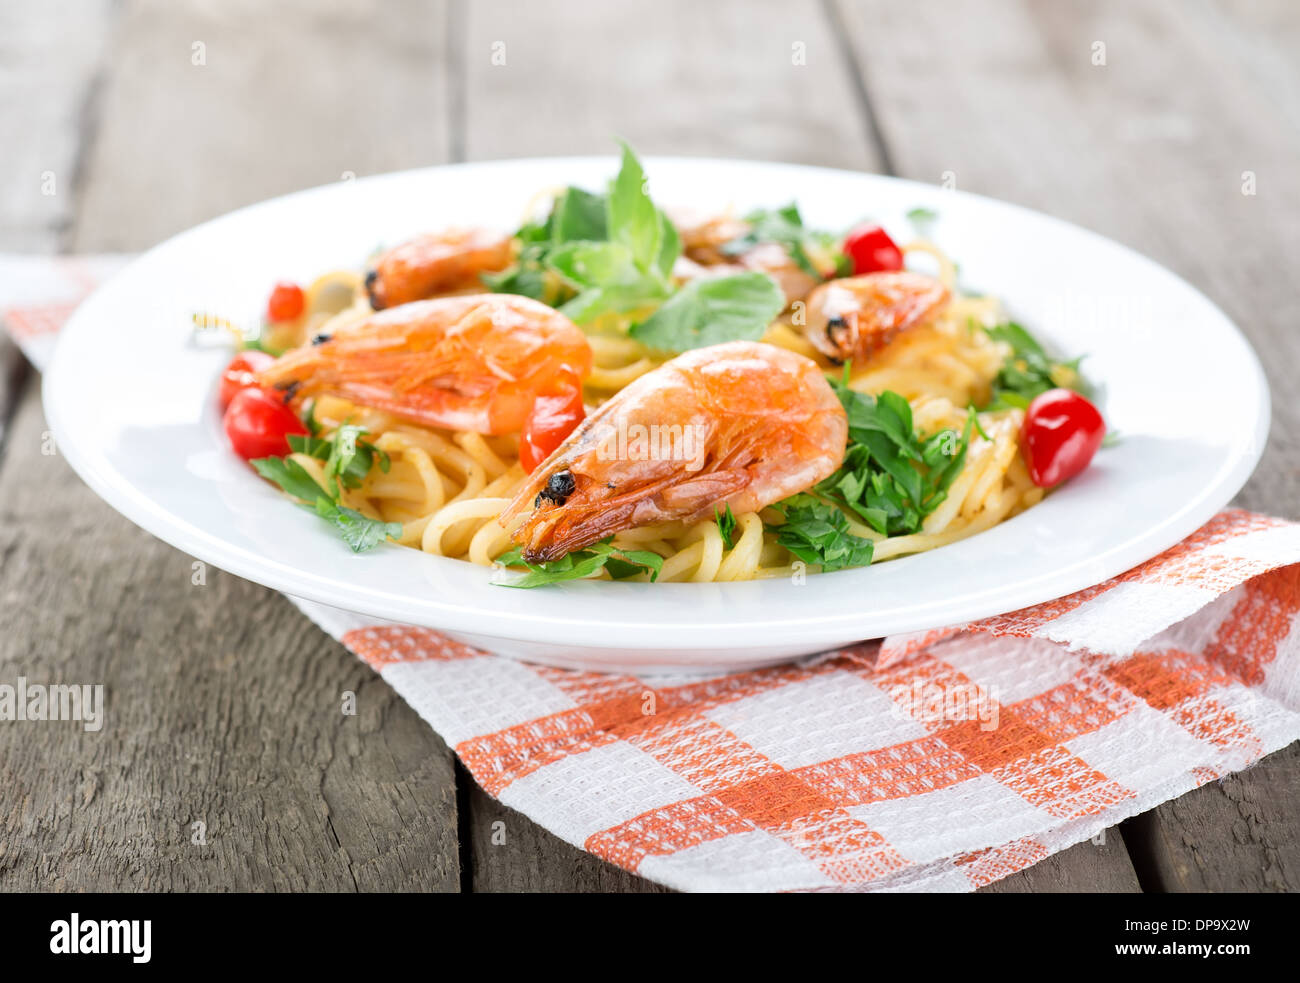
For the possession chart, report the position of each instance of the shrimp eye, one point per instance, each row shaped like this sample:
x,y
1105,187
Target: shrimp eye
x,y
835,324
289,389
371,279
320,339
559,487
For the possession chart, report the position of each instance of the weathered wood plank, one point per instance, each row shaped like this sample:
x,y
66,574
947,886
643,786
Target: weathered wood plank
x,y
13,374
223,706
1085,867
51,55
511,853
224,703
1152,147
763,80
1238,834
281,98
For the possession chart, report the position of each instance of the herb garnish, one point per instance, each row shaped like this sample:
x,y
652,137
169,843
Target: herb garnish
x,y
726,525
348,460
582,563
1029,371
922,220
819,533
713,310
891,479
785,227
613,254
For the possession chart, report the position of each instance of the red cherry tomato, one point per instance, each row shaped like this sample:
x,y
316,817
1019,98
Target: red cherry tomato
x,y
1061,433
258,424
286,302
241,373
872,251
554,416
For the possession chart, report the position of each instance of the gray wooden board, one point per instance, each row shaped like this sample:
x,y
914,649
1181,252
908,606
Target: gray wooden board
x,y
510,852
223,702
1089,866
52,56
285,96
223,707
730,78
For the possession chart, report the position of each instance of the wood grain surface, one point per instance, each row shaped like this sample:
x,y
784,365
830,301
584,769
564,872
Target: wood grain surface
x,y
224,703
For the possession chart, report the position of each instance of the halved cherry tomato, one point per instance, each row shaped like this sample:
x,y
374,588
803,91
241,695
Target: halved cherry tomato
x,y
1062,432
555,415
872,251
241,373
286,302
258,424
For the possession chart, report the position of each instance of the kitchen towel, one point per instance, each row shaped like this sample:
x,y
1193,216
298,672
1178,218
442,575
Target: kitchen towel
x,y
940,760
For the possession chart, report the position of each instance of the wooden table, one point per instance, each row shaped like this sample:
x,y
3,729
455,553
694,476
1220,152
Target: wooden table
x,y
1137,120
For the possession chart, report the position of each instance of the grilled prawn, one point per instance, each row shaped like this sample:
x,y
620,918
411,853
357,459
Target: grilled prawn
x,y
436,263
705,253
853,318
742,424
474,362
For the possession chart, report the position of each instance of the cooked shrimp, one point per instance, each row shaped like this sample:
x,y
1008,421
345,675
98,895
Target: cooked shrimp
x,y
853,318
742,424
704,254
771,258
703,236
436,263
474,362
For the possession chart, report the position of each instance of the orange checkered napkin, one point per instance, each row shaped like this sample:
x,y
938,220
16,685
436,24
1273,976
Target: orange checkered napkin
x,y
942,760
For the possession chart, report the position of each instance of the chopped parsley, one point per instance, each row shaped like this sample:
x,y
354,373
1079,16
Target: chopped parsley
x,y
891,479
818,533
726,522
816,253
582,563
348,460
1029,371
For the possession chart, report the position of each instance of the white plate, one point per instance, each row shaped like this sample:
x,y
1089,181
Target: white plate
x,y
130,400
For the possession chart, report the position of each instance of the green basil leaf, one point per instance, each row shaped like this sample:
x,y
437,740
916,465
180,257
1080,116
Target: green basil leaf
x,y
670,246
614,299
317,447
349,459
644,560
712,310
578,215
631,217
358,531
594,264
291,476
